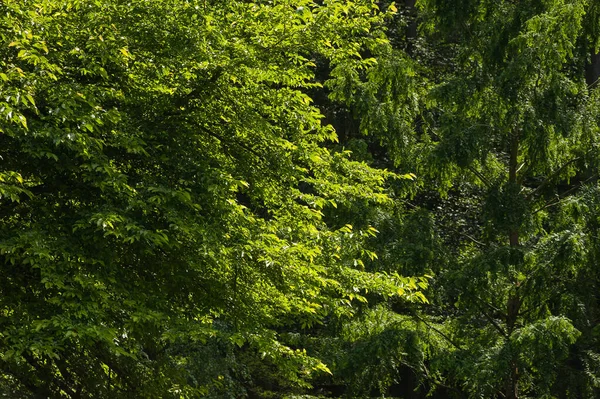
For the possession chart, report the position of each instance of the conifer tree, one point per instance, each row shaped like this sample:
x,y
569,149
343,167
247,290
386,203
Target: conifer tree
x,y
494,108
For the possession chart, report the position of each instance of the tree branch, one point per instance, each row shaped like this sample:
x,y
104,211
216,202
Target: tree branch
x,y
548,179
564,195
495,324
442,334
479,175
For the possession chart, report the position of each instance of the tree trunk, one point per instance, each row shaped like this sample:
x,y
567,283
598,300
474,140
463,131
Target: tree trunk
x,y
514,301
411,28
592,70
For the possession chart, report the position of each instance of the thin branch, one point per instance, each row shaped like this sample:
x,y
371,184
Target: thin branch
x,y
593,84
552,176
471,238
565,194
489,305
474,240
495,324
442,334
480,176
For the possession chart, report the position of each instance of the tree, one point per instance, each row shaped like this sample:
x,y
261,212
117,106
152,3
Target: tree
x,y
163,183
499,123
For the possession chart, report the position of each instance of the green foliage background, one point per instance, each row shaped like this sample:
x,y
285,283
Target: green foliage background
x,y
229,199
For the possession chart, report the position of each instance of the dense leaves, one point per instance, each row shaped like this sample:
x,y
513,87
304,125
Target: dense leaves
x,y
163,187
223,199
499,121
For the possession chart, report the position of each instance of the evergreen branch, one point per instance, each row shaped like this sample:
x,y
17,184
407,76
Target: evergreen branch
x,y
565,194
548,179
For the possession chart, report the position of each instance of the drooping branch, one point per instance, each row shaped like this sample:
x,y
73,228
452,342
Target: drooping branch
x,y
548,179
565,194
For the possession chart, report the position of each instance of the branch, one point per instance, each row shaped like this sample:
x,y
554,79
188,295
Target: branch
x,y
495,324
479,175
25,379
489,305
552,176
481,244
446,337
474,240
120,374
60,382
563,195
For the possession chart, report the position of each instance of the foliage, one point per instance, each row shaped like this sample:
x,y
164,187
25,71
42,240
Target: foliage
x,y
222,199
164,180
493,109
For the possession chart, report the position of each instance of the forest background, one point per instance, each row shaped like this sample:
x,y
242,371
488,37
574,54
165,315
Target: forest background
x,y
295,198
